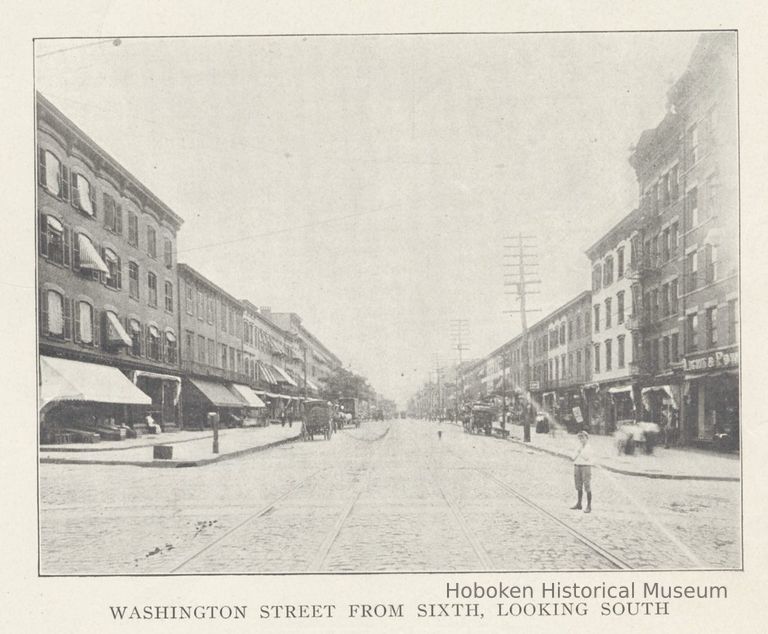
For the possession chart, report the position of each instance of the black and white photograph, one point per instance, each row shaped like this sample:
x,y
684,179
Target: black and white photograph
x,y
398,303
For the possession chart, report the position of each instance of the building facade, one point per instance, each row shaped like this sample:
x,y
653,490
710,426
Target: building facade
x,y
107,284
687,175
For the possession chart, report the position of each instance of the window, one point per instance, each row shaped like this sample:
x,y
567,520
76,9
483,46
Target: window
x,y
557,369
665,246
212,352
223,317
692,209
673,297
201,304
189,299
578,326
713,186
673,183
113,215
570,330
692,334
712,327
562,333
133,229
170,347
654,354
673,233
578,363
153,343
152,287
733,321
586,322
692,265
674,349
86,258
133,280
710,263
597,317
223,356
608,271
134,331
620,307
54,241
655,197
113,279
693,145
50,173
82,195
168,253
151,241
665,358
654,304
210,310
608,355
665,300
169,296
232,359
85,323
55,318
189,348
620,263
597,357
596,277
621,349
608,313
665,189
586,361
201,348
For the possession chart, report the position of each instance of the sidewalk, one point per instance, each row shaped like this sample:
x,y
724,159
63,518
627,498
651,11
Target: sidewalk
x,y
674,464
190,448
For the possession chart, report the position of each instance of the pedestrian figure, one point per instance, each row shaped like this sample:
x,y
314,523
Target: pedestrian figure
x,y
439,434
582,471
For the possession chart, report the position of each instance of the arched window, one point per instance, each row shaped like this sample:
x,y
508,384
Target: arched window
x,y
134,331
55,314
85,323
153,343
54,240
171,347
113,279
151,241
82,195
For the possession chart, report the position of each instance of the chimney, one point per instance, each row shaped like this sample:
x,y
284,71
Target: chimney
x,y
265,310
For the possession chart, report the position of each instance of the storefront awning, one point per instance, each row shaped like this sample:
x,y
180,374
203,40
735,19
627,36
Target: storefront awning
x,y
283,376
66,380
312,386
266,374
666,389
622,389
218,393
249,395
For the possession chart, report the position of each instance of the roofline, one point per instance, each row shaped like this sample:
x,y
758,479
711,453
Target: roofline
x,y
627,219
183,268
43,102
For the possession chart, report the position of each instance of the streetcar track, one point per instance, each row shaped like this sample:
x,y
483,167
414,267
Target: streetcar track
x,y
604,553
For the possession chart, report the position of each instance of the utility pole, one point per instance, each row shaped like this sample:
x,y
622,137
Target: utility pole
x,y
523,272
439,373
460,338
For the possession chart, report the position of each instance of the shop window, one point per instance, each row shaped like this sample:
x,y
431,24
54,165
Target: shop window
x,y
169,296
133,229
82,195
114,278
151,241
54,240
133,280
113,215
152,289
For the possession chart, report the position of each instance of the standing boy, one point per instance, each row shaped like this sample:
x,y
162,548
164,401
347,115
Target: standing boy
x,y
582,471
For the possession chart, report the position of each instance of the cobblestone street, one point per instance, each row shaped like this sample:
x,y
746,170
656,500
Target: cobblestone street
x,y
388,496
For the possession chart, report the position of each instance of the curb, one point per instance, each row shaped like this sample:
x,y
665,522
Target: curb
x,y
174,464
639,474
55,449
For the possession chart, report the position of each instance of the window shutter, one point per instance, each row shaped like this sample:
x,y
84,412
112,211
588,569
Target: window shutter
x,y
66,246
76,313
67,318
43,312
119,273
118,220
75,251
41,167
64,191
102,276
95,317
147,346
44,235
75,191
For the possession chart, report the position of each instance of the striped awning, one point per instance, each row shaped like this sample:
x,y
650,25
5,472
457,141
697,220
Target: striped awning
x,y
115,332
89,256
283,376
266,373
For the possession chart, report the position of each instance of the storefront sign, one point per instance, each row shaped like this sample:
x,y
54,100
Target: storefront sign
x,y
727,358
534,385
577,414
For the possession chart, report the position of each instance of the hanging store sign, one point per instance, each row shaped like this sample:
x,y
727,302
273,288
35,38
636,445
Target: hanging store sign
x,y
726,358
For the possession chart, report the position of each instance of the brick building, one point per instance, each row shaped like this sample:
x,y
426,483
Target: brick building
x,y
107,287
687,175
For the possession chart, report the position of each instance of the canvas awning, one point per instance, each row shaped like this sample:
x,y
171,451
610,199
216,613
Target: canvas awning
x,y
266,374
89,256
66,380
249,395
659,388
311,385
161,377
115,332
623,389
283,376
218,393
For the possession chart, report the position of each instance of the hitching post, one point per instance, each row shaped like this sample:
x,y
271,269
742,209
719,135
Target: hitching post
x,y
213,421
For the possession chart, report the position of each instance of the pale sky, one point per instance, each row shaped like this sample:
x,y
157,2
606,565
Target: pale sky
x,y
366,183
